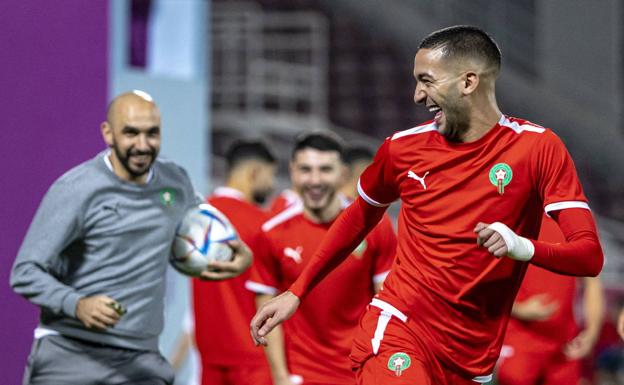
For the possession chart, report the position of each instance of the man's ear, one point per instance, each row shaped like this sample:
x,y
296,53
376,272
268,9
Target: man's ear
x,y
471,82
107,133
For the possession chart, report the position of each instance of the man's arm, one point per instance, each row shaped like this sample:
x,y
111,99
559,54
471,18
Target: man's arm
x,y
275,350
580,255
349,229
594,310
55,225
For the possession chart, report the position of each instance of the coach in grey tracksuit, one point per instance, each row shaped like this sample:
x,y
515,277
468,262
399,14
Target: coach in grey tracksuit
x,y
95,255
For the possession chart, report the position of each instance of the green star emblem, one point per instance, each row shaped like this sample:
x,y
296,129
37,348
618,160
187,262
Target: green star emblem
x,y
398,362
500,176
167,197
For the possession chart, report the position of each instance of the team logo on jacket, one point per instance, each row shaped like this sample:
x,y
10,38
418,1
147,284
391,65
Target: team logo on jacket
x,y
500,176
167,197
398,362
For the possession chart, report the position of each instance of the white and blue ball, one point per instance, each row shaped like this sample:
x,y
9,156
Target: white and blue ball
x,y
200,238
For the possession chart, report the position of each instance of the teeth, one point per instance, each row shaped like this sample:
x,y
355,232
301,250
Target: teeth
x,y
434,109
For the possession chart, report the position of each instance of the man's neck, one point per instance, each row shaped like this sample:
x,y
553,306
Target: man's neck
x,y
482,120
243,188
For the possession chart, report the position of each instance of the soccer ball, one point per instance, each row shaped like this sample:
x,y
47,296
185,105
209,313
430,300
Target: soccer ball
x,y
201,237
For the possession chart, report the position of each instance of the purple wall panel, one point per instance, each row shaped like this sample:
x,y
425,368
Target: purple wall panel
x,y
53,82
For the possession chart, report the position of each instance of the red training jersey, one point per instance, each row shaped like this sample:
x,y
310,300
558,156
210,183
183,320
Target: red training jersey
x,y
224,309
318,336
561,326
456,295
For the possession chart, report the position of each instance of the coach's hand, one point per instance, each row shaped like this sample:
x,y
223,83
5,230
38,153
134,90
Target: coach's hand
x,y
97,312
241,260
501,241
271,314
538,307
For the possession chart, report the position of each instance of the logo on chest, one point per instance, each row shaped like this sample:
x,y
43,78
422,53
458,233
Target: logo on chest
x,y
294,254
167,197
500,176
411,174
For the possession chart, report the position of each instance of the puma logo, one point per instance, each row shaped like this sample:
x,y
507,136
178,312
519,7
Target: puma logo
x,y
411,174
294,254
111,207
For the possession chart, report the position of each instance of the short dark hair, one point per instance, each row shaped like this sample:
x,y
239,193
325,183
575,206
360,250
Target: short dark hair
x,y
358,153
243,150
321,140
464,41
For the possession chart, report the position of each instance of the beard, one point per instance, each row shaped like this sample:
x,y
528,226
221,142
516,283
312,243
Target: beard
x,y
457,121
260,197
124,159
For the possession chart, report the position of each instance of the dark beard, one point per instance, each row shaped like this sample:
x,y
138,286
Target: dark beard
x,y
456,125
260,197
124,159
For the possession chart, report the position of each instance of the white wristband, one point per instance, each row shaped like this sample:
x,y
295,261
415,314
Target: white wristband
x,y
518,248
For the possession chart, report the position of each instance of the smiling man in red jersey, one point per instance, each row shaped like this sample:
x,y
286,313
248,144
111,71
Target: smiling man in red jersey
x,y
315,343
474,184
223,309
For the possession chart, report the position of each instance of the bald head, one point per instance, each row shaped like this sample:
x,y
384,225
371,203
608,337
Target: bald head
x,y
132,131
130,103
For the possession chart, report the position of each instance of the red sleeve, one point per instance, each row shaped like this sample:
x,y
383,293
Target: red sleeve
x,y
264,272
581,254
557,180
377,184
347,231
385,248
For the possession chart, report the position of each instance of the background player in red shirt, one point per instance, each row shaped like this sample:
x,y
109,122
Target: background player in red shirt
x,y
357,158
315,343
543,344
474,184
222,310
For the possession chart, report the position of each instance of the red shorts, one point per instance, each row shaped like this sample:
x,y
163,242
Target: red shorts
x,y
385,351
535,362
236,375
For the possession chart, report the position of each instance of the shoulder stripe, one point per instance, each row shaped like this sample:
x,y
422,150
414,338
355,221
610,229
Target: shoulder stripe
x,y
368,199
260,288
416,130
566,205
519,128
282,217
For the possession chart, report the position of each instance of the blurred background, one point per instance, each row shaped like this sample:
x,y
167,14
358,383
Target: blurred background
x,y
221,70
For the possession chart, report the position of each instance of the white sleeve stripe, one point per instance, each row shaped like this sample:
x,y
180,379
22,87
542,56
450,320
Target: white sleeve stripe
x,y
378,278
260,288
368,199
566,205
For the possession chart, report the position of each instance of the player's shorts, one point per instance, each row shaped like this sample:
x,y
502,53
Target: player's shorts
x,y
532,362
236,375
57,359
385,351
